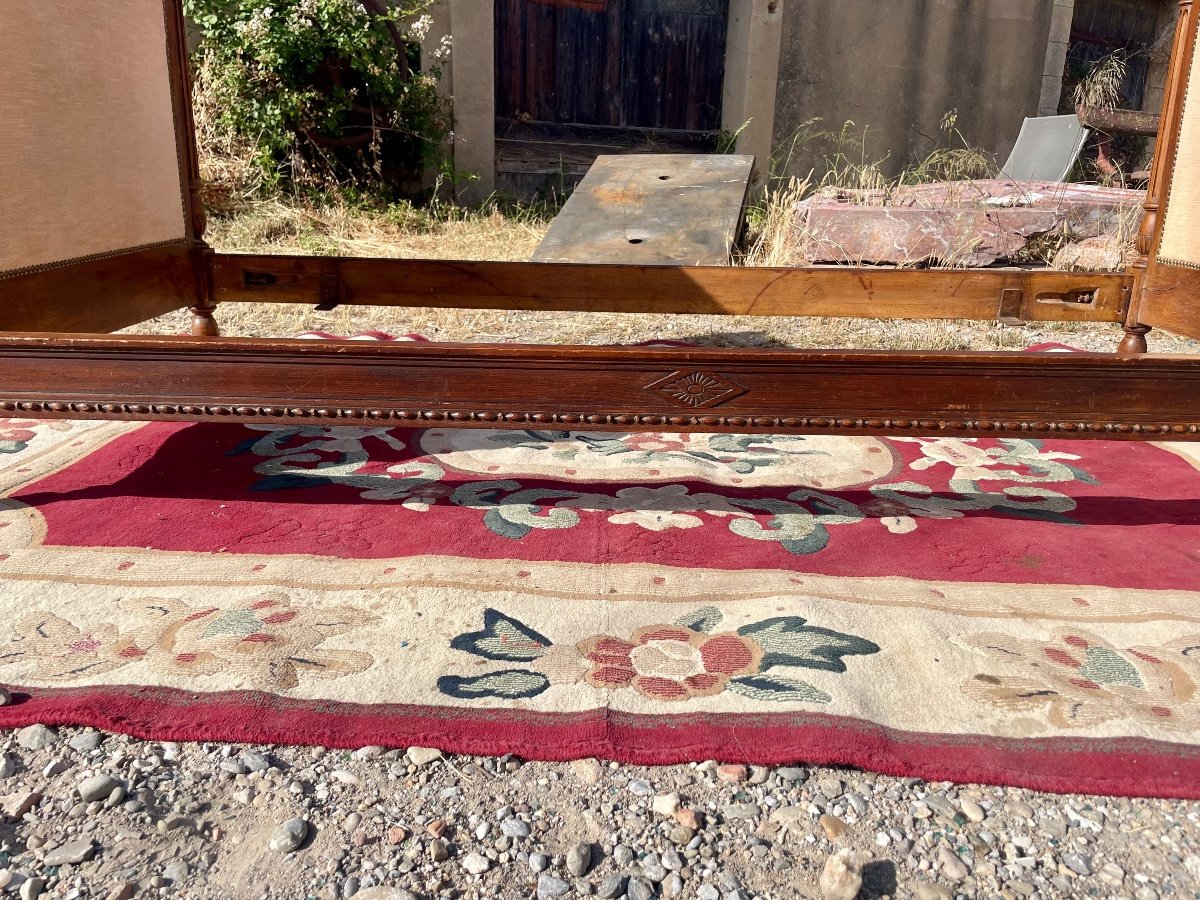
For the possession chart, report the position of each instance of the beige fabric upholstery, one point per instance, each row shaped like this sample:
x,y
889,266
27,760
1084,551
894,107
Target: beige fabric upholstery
x,y
1180,244
88,157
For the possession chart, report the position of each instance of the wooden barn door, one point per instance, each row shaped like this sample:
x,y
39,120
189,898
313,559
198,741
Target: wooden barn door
x,y
656,64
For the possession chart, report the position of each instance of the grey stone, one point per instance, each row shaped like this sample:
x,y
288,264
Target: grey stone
x,y
640,788
176,871
549,886
288,836
681,834
612,887
514,828
73,853
86,742
708,892
439,851
255,761
419,756
579,860
539,862
1077,863
740,811
639,889
8,766
972,810
793,774
1021,809
952,864
98,787
32,889
476,863
857,803
37,737
655,873
623,855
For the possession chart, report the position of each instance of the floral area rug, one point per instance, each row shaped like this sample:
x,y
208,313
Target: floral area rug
x,y
1008,611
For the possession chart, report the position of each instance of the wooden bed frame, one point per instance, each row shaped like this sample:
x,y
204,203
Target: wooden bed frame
x,y
68,274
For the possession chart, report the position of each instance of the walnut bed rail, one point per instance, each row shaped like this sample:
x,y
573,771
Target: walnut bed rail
x,y
602,388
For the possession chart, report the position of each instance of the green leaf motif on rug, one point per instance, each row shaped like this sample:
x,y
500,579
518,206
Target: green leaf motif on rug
x,y
777,690
703,620
504,639
511,684
789,641
1105,666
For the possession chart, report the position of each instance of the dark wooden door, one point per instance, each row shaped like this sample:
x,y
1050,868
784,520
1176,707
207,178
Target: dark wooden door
x,y
625,63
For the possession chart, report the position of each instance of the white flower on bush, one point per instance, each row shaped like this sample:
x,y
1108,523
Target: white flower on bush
x,y
419,28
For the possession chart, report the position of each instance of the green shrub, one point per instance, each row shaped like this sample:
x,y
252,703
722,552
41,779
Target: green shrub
x,y
328,93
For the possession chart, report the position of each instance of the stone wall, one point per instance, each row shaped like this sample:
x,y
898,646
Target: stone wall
x,y
895,67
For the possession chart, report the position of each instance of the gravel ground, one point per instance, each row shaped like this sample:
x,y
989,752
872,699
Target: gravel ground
x,y
94,815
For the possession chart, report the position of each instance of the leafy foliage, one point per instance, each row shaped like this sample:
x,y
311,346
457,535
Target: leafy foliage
x,y
328,93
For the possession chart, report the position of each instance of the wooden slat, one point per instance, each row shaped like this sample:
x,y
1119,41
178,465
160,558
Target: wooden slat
x,y
834,291
621,388
656,209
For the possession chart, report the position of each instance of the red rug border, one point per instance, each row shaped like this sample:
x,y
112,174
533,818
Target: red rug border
x,y
1125,767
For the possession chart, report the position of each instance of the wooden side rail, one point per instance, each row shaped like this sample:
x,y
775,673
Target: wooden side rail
x,y
1014,295
601,388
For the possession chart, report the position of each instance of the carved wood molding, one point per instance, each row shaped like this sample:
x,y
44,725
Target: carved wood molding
x,y
601,421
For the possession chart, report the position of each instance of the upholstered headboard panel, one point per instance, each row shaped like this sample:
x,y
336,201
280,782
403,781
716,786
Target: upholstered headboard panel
x,y
89,159
1180,244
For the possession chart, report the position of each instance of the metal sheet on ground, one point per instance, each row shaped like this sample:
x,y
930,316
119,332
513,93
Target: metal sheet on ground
x,y
652,209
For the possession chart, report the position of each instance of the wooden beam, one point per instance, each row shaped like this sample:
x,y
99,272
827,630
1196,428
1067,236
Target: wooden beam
x,y
822,291
1074,395
1120,121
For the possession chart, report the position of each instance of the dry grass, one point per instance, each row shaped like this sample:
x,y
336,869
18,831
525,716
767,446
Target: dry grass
x,y
399,231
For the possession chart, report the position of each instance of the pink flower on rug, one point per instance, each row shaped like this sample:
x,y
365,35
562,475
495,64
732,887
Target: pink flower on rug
x,y
670,662
658,443
15,434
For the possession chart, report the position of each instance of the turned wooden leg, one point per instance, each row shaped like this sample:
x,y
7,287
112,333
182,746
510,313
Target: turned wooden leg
x,y
204,322
1134,340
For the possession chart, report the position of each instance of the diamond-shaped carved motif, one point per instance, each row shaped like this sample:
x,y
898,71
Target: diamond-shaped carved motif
x,y
696,389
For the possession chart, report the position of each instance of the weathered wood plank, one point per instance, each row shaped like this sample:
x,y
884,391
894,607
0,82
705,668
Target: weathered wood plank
x,y
655,209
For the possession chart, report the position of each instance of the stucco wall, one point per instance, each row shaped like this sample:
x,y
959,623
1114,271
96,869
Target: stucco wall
x,y
896,67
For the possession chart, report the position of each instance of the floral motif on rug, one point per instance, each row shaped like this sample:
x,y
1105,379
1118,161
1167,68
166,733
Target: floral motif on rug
x,y
1009,610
